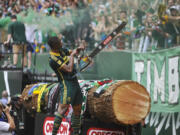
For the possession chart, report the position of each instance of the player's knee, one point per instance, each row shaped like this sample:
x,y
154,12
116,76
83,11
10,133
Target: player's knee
x,y
62,109
77,109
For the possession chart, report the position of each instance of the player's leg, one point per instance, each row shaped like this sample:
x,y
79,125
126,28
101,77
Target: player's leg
x,y
62,108
75,120
24,51
16,50
76,102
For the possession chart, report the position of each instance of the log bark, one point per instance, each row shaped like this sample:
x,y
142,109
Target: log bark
x,y
125,102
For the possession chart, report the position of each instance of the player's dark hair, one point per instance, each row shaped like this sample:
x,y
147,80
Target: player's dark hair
x,y
53,42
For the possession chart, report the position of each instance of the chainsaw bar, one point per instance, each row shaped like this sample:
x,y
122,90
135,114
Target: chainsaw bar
x,y
85,61
107,40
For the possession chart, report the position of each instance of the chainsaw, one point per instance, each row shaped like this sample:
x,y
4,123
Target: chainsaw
x,y
85,61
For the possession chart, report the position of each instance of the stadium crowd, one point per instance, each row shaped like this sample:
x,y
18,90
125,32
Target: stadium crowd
x,y
91,20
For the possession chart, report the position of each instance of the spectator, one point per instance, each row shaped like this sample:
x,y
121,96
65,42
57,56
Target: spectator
x,y
16,31
30,37
134,25
173,28
169,5
97,27
122,36
4,99
6,121
160,34
147,34
141,13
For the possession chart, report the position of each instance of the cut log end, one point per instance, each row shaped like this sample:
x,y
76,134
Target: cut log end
x,y
130,102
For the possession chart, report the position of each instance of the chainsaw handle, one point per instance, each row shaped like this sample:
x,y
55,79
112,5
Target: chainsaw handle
x,y
83,68
84,62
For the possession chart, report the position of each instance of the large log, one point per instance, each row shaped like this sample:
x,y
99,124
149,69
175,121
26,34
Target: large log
x,y
124,102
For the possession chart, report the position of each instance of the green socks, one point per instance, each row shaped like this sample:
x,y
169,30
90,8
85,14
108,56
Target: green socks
x,y
75,124
57,123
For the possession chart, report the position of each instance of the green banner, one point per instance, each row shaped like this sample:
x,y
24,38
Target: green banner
x,y
159,72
